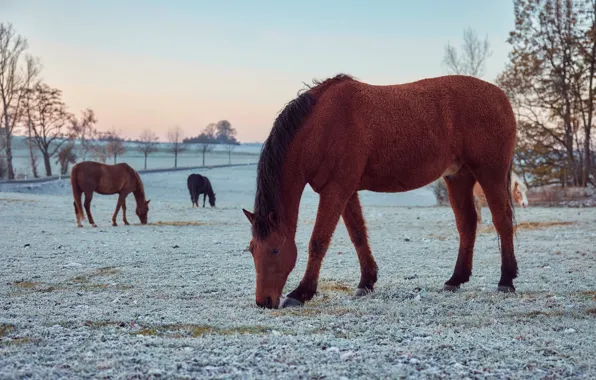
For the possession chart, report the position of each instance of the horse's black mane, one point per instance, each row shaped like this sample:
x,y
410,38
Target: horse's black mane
x,y
269,170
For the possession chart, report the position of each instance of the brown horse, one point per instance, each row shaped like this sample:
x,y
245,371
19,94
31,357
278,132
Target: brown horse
x,y
341,136
88,177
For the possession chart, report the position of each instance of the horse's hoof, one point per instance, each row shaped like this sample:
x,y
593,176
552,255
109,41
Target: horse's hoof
x,y
450,288
79,226
126,224
291,302
361,292
505,289
114,225
94,225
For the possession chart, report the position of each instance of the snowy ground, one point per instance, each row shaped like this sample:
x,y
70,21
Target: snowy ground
x,y
177,301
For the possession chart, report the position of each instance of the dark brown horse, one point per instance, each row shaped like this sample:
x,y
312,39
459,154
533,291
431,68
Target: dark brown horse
x,y
341,136
88,177
198,184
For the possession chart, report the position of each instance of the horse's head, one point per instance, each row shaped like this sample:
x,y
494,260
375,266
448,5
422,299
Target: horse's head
x,y
519,194
212,200
274,257
143,210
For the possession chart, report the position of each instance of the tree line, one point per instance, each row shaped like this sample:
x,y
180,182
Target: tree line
x,y
33,107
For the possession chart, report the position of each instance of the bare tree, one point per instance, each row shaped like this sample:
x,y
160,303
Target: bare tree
x,y
115,144
66,156
14,78
84,130
47,118
3,167
30,145
207,140
175,136
230,148
472,58
148,144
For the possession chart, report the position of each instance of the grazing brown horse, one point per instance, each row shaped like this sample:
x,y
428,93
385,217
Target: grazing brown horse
x,y
88,177
342,135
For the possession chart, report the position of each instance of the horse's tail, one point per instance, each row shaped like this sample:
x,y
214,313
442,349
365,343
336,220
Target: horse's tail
x,y
76,192
510,194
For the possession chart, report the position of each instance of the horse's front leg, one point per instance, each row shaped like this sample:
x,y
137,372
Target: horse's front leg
x,y
204,197
331,204
118,205
124,211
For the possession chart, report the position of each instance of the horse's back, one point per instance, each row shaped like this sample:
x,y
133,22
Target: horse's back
x,y
104,178
404,136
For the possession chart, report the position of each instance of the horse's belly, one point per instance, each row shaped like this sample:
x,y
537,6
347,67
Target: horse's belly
x,y
394,178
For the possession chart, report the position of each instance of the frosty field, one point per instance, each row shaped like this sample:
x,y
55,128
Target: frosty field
x,y
175,298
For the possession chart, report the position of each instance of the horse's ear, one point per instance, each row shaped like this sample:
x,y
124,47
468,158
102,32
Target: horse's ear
x,y
148,202
249,215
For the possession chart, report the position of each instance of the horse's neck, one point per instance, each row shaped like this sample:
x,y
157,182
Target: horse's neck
x,y
139,193
292,187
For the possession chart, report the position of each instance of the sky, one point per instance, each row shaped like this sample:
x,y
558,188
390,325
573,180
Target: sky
x,y
187,63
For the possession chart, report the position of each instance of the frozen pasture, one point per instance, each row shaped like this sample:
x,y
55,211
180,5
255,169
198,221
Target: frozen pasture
x,y
175,298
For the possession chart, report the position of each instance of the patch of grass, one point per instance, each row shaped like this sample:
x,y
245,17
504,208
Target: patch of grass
x,y
578,314
590,294
307,311
527,226
5,329
199,330
438,237
25,284
181,330
335,286
195,331
80,279
101,272
18,341
177,223
106,271
18,200
541,313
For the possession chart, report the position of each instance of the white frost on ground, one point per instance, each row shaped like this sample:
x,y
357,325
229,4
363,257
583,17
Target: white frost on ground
x,y
178,301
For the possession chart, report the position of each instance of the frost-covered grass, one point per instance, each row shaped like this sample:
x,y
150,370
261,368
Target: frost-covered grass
x,y
176,298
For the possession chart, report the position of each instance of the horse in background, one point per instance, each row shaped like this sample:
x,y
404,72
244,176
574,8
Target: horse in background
x,y
88,177
518,190
342,136
197,185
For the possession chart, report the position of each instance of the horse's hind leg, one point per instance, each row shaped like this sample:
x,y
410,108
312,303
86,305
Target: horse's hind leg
x,y
460,189
204,197
79,215
88,198
496,191
356,226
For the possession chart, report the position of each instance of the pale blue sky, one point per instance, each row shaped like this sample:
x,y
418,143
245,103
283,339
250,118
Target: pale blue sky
x,y
160,63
